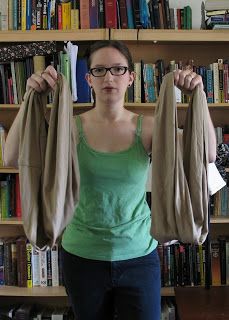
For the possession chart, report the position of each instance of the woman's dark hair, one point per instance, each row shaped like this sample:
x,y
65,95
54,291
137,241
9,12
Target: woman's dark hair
x,y
120,46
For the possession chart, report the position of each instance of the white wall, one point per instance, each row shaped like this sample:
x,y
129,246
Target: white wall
x,y
196,10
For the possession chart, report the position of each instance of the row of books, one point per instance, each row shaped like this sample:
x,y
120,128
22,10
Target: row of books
x,y
149,78
90,14
13,76
185,264
10,201
146,87
219,203
35,312
21,264
217,14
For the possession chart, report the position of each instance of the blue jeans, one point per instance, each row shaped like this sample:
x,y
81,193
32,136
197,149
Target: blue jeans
x,y
104,290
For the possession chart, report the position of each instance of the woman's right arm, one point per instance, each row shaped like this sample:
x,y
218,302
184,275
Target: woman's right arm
x,y
41,83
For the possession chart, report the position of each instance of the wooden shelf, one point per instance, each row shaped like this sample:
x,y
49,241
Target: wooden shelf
x,y
52,291
188,36
218,220
34,292
11,222
159,35
54,35
8,170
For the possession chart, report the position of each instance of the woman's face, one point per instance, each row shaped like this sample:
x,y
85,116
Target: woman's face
x,y
109,88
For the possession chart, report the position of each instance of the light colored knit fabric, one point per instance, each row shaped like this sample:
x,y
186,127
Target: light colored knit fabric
x,y
48,166
179,169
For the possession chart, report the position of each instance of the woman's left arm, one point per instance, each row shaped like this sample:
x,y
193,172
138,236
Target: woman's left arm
x,y
187,80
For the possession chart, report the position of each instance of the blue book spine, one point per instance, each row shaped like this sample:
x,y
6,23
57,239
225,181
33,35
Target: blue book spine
x,y
130,14
83,89
28,15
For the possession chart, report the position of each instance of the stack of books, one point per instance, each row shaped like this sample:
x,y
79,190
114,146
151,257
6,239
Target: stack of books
x,y
217,12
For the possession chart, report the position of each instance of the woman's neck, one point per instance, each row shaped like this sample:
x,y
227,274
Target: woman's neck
x,y
110,111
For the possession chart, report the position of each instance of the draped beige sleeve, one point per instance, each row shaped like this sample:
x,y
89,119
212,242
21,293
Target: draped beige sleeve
x,y
48,166
179,169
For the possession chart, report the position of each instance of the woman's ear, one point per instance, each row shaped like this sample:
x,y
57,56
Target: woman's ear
x,y
132,78
88,79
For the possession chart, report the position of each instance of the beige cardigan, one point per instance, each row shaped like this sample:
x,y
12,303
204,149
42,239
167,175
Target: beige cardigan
x,y
48,166
179,169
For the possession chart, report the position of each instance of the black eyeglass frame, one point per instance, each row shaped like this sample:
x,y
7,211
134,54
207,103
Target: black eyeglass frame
x,y
109,69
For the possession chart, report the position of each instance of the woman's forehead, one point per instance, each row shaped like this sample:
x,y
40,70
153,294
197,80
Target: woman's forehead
x,y
108,54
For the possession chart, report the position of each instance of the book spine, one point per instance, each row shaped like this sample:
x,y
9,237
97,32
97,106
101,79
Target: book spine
x,y
66,16
215,69
35,267
33,14
84,14
101,14
39,15
137,82
49,267
227,261
43,268
75,19
110,14
23,15
21,262
94,14
55,266
29,265
123,14
2,278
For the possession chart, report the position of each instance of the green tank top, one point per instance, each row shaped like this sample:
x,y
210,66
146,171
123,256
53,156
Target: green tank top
x,y
112,220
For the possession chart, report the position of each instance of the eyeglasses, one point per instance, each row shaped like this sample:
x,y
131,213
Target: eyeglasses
x,y
115,71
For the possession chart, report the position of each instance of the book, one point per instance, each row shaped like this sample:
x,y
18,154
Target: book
x,y
84,14
216,5
29,264
35,261
215,263
94,14
110,14
83,89
66,15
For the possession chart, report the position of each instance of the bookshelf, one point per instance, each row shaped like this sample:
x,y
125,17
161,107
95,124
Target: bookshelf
x,y
204,46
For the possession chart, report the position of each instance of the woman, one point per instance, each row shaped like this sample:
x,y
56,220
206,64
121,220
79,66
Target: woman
x,y
110,261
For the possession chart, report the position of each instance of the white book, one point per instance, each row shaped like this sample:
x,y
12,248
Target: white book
x,y
43,268
4,22
55,266
35,267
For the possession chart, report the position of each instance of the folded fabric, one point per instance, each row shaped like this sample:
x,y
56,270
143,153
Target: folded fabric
x,y
179,169
48,166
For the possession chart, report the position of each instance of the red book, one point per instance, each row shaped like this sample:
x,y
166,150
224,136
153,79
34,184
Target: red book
x,y
84,14
123,14
59,13
110,14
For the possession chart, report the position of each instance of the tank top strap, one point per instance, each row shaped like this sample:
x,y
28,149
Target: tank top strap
x,y
139,126
79,126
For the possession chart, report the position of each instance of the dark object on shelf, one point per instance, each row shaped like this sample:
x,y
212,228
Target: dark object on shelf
x,y
200,303
12,52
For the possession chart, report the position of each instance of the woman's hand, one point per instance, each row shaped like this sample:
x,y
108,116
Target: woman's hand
x,y
43,82
187,80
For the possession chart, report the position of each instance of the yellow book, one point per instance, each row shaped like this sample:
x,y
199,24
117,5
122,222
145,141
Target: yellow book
x,y
38,63
74,19
23,15
29,265
66,15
